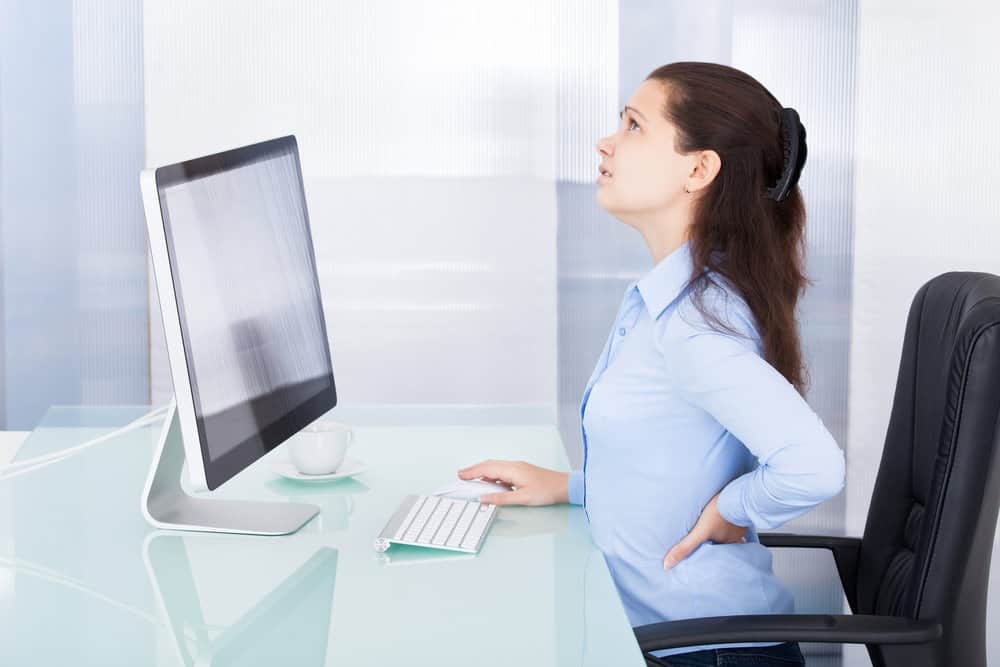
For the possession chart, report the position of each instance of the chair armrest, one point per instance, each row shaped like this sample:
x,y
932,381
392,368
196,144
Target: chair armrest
x,y
824,628
846,551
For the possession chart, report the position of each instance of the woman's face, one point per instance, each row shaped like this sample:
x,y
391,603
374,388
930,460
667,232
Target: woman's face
x,y
646,174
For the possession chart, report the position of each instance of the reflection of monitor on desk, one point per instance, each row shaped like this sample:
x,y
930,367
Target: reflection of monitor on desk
x,y
236,277
289,625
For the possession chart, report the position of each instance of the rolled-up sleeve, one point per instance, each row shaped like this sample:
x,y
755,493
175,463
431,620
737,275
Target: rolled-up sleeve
x,y
575,490
801,464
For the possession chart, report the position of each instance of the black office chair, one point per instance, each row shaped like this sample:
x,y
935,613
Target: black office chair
x,y
916,581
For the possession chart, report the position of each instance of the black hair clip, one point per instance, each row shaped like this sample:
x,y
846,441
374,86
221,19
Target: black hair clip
x,y
793,135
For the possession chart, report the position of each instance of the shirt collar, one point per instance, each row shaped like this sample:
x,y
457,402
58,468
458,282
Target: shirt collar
x,y
665,281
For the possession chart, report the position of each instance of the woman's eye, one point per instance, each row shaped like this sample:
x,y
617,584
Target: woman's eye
x,y
631,121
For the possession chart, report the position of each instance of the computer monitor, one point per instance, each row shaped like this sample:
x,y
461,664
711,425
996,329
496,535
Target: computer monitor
x,y
236,277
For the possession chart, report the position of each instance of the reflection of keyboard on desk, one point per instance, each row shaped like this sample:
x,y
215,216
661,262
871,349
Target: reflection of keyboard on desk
x,y
440,523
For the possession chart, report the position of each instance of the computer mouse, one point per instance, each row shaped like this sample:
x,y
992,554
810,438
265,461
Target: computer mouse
x,y
471,489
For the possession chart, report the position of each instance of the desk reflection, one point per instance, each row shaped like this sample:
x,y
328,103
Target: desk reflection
x,y
228,600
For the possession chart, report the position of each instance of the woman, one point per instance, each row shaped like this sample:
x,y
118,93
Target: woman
x,y
695,432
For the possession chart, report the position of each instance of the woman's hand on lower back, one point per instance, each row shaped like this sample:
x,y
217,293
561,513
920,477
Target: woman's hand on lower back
x,y
532,485
712,526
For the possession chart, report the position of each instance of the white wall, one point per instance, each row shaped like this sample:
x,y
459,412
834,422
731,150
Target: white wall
x,y
926,200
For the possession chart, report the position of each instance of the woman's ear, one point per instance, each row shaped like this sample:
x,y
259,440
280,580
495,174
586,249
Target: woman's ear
x,y
706,167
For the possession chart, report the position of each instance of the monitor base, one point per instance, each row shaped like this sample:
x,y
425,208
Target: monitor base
x,y
166,505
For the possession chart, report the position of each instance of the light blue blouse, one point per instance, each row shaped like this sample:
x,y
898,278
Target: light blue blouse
x,y
673,413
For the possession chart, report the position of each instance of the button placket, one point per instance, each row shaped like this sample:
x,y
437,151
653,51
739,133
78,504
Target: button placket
x,y
629,305
626,322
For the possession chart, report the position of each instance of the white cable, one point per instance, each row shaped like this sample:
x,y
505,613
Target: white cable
x,y
18,468
30,465
148,418
21,467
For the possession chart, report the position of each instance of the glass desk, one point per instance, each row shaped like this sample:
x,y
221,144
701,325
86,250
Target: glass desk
x,y
85,581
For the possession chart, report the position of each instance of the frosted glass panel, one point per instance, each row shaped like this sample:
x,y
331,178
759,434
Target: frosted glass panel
x,y
926,202
432,136
74,305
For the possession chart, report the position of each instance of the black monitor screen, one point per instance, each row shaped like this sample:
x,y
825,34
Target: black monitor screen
x,y
248,300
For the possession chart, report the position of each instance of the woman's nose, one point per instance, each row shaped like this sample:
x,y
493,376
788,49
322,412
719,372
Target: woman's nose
x,y
604,146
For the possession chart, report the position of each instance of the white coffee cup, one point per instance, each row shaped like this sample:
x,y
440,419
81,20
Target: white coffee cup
x,y
319,448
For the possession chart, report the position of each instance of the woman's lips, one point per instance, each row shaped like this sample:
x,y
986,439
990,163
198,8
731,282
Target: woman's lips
x,y
602,178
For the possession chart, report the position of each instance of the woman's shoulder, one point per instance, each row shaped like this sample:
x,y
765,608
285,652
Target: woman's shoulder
x,y
712,306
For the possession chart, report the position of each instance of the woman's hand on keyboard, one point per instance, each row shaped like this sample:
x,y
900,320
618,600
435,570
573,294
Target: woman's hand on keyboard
x,y
532,485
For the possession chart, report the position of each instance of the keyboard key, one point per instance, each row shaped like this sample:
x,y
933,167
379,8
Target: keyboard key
x,y
434,522
417,504
468,514
421,519
448,525
478,526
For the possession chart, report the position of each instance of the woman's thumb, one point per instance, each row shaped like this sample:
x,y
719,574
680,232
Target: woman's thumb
x,y
679,552
503,498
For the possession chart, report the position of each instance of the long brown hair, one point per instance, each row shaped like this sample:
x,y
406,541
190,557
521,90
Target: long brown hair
x,y
755,243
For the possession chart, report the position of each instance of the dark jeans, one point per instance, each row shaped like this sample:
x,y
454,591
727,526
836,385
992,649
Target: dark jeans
x,y
781,655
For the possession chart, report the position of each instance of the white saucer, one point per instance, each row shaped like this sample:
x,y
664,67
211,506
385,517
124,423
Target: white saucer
x,y
348,468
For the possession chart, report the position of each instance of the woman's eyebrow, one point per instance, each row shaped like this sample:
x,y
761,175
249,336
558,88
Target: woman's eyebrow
x,y
636,112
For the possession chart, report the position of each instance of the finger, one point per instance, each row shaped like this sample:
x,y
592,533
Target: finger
x,y
492,470
681,550
507,485
506,498
477,470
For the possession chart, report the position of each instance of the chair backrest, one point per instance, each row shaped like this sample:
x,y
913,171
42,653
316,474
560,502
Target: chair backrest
x,y
927,543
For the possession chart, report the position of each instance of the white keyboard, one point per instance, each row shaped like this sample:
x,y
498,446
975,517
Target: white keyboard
x,y
438,522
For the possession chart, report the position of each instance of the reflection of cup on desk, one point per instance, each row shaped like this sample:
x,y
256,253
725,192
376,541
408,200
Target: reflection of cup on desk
x,y
319,448
335,511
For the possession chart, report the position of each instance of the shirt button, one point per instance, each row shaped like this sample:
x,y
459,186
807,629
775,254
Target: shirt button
x,y
621,331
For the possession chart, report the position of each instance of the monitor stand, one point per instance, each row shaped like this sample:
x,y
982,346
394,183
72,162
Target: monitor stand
x,y
166,505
